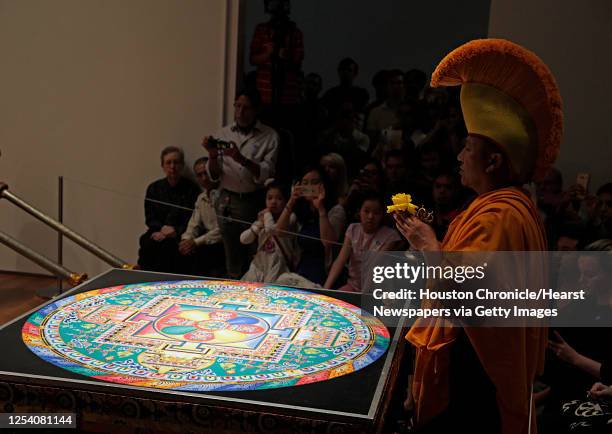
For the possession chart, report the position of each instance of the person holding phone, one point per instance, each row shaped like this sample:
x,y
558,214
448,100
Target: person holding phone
x,y
241,170
321,222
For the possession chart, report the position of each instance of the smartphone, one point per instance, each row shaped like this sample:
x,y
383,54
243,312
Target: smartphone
x,y
583,179
308,190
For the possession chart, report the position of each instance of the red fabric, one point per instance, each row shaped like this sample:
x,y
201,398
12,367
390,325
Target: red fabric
x,y
289,93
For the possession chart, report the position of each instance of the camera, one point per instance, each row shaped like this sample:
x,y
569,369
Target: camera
x,y
218,143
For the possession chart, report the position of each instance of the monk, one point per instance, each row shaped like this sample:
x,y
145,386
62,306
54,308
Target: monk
x,y
479,379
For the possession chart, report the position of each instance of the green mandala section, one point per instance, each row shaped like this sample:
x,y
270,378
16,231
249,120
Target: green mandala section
x,y
205,335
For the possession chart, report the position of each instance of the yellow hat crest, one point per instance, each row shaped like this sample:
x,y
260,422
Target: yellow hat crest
x,y
510,96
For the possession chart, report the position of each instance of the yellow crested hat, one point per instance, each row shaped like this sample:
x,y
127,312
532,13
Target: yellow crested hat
x,y
509,96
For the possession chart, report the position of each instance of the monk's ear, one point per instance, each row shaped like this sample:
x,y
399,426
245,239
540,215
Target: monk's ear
x,y
495,162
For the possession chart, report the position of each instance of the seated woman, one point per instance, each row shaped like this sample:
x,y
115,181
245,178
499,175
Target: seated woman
x,y
168,205
321,221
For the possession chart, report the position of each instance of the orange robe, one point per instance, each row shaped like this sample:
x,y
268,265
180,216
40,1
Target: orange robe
x,y
501,220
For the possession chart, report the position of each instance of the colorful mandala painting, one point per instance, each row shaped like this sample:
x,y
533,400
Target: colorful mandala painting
x,y
203,335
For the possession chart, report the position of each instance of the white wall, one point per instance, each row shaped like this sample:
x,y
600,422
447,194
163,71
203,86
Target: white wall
x,y
92,90
380,34
575,40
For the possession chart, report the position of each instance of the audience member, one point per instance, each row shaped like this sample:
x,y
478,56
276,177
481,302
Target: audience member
x,y
395,174
277,49
346,91
275,254
369,235
241,165
385,115
168,204
345,139
445,202
415,80
370,180
201,244
597,213
429,165
313,118
321,222
575,356
379,83
570,237
334,166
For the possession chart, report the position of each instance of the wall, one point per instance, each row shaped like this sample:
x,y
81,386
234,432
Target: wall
x,y
92,90
574,39
379,35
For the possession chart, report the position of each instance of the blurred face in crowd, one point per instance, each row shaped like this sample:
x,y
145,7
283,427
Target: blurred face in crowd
x,y
474,162
275,201
245,114
347,74
395,170
443,190
346,120
566,244
593,277
407,115
605,207
396,87
371,215
311,179
430,161
202,177
549,189
371,174
312,86
333,172
172,165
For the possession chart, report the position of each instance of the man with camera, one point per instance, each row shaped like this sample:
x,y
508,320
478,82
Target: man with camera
x,y
241,157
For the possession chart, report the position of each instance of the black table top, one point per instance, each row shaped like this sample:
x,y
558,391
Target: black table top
x,y
356,395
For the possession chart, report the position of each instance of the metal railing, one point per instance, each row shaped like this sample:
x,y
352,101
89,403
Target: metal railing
x,y
63,230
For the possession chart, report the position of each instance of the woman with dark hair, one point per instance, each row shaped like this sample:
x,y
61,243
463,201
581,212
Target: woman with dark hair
x,y
321,221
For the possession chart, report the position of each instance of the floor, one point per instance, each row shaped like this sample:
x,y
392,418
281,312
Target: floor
x,y
18,293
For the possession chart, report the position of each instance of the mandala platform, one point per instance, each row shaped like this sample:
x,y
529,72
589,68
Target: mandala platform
x,y
178,354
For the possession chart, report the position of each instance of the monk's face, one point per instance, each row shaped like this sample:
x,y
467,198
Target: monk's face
x,y
474,162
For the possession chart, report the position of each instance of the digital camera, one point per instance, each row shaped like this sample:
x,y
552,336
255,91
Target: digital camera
x,y
219,144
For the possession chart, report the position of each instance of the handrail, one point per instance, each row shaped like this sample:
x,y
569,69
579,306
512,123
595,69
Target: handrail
x,y
69,233
43,261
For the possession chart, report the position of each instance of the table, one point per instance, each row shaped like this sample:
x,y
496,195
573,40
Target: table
x,y
352,403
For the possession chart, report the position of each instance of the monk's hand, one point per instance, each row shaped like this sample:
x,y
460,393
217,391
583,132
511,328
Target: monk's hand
x,y
562,349
420,235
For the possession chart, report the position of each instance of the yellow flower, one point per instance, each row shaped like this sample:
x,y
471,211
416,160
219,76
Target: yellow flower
x,y
402,202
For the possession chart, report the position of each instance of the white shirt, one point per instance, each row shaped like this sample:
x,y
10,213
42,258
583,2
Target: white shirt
x,y
260,145
381,117
203,227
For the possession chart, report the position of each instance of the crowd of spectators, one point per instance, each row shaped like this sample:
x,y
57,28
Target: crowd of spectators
x,y
341,156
